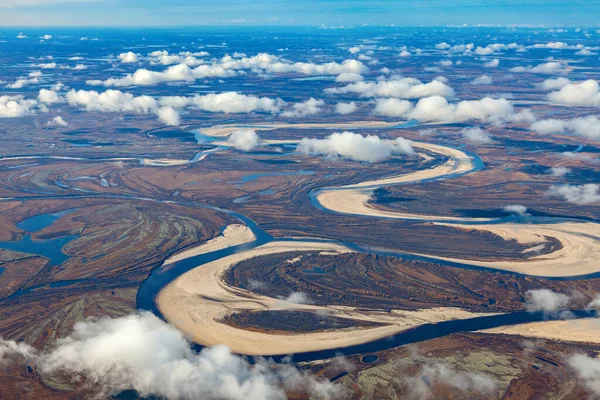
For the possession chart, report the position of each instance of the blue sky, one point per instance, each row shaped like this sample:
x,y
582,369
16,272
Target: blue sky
x,y
298,12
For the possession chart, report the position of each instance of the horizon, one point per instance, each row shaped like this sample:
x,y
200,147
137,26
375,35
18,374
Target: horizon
x,y
118,13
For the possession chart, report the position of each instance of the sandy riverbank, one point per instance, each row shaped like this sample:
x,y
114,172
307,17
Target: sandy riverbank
x,y
233,235
577,330
196,301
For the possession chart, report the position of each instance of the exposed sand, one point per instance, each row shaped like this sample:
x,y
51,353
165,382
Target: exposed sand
x,y
164,162
197,300
580,240
577,330
354,199
233,235
579,255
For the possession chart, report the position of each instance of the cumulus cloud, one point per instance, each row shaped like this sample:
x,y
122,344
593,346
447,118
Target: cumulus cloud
x,y
49,97
586,93
577,194
345,108
584,126
437,108
111,101
163,57
545,300
22,82
50,65
551,67
309,107
16,106
175,73
228,102
392,107
559,171
58,121
587,370
168,116
354,146
129,58
113,355
228,66
244,140
517,209
348,77
553,84
404,88
476,135
492,63
482,80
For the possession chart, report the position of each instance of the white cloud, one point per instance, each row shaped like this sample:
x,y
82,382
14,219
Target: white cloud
x,y
559,171
49,97
433,372
10,350
227,66
492,63
308,107
22,82
552,67
345,108
46,37
112,355
437,108
476,135
392,107
404,53
516,209
552,84
111,101
129,57
244,140
57,121
584,126
545,300
582,194
355,147
228,102
297,298
188,58
21,36
588,371
346,77
168,116
50,65
16,106
277,65
585,93
482,80
405,88
175,73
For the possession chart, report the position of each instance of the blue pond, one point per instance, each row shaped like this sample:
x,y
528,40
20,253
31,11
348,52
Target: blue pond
x,y
51,248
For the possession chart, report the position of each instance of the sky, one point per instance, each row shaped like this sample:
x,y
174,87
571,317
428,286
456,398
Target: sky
x,y
582,13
